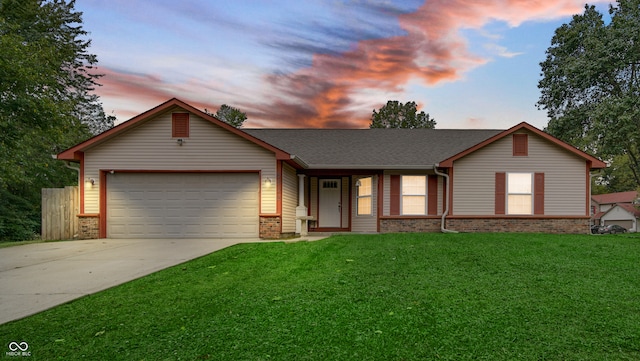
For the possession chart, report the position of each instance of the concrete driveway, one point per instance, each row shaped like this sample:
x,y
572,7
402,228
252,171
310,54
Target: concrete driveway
x,y
39,276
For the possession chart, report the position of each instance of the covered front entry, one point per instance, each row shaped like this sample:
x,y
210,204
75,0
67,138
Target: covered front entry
x,y
329,203
182,205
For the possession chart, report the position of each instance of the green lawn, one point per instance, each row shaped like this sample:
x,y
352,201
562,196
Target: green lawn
x,y
365,297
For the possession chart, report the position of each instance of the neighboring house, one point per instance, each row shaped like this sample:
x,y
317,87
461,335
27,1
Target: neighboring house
x,y
616,208
177,172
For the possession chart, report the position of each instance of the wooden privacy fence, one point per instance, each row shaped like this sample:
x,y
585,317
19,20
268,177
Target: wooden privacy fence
x,y
60,207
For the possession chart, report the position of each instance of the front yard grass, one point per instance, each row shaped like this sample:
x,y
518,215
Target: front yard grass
x,y
365,297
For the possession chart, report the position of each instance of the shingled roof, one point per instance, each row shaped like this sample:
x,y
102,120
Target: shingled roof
x,y
372,148
619,197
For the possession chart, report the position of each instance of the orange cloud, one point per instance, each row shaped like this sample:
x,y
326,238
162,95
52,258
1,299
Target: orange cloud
x,y
324,94
432,51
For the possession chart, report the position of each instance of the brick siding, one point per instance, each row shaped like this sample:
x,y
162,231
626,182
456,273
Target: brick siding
x,y
506,224
528,225
395,225
270,227
89,226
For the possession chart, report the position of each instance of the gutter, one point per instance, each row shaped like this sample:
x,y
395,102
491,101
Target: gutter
x,y
299,161
443,229
372,166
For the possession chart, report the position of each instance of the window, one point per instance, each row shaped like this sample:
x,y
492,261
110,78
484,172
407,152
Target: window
x,y
180,125
330,184
414,194
520,145
363,190
519,193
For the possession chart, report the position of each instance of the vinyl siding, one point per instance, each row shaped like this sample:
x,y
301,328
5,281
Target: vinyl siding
x,y
441,195
604,207
386,189
365,223
289,198
564,173
151,147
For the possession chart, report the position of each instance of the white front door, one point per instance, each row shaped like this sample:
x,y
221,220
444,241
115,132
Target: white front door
x,y
329,204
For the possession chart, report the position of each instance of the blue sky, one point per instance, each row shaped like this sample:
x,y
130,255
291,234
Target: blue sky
x,y
327,63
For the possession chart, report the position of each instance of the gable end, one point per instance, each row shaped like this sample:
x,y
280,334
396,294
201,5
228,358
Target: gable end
x,y
594,163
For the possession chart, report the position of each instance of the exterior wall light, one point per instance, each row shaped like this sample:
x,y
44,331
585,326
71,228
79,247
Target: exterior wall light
x,y
180,141
267,182
90,182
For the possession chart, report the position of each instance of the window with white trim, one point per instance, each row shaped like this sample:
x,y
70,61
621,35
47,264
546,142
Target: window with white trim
x,y
363,194
414,194
520,193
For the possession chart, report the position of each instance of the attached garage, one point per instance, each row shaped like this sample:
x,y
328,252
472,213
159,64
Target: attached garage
x,y
182,205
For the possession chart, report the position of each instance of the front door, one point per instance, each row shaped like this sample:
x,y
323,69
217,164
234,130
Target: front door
x,y
329,204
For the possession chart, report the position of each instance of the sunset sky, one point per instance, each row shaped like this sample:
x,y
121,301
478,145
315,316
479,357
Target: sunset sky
x,y
328,63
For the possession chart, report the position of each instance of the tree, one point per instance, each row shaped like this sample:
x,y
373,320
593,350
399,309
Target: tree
x,y
617,177
46,105
397,115
231,115
590,85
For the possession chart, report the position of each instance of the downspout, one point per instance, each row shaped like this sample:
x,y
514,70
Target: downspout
x,y
446,202
68,165
77,169
591,175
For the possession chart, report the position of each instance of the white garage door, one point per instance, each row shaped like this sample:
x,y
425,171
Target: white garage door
x,y
182,205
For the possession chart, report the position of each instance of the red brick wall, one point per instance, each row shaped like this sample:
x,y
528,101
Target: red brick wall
x,y
506,224
89,226
394,225
529,225
270,227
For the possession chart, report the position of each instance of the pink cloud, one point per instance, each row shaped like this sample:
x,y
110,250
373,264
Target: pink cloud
x,y
131,94
432,51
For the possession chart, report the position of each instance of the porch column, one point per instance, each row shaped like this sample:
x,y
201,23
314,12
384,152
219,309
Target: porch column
x,y
301,191
301,209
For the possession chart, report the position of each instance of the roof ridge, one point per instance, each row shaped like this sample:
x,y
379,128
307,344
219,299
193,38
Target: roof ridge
x,y
382,129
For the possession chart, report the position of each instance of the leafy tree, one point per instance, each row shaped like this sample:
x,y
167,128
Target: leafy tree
x,y
397,115
231,115
617,177
590,85
46,105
